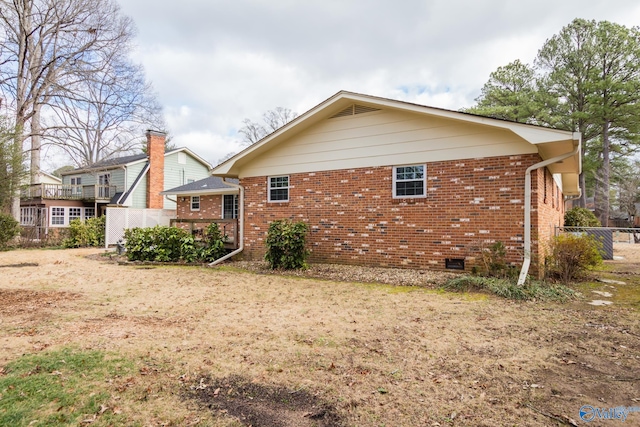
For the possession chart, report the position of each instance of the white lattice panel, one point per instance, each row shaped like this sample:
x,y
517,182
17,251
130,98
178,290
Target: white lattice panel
x,y
120,219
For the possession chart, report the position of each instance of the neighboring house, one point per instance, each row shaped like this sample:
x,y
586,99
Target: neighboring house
x,y
205,201
134,181
390,183
44,178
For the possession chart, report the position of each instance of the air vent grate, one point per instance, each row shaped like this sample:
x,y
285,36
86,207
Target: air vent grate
x,y
354,109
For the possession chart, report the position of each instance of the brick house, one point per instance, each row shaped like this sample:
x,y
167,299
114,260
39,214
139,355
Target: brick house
x,y
208,200
134,181
390,183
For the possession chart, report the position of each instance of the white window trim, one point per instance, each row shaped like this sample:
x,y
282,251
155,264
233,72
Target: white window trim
x,y
191,203
424,182
269,188
76,188
65,217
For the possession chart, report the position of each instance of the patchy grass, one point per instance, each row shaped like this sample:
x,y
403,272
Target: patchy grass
x,y
64,387
367,354
507,289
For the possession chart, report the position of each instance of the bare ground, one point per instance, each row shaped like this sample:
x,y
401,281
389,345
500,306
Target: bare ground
x,y
355,353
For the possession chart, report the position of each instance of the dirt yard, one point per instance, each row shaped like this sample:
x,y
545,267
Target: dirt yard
x,y
224,347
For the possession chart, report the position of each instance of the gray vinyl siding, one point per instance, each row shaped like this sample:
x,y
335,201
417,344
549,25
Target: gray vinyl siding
x,y
139,196
176,174
117,178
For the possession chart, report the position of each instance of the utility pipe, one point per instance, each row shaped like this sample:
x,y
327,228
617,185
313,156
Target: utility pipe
x,y
527,209
240,225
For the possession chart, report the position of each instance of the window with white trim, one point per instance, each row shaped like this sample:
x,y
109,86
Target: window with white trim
x,y
279,188
230,206
57,216
409,181
89,213
75,213
195,203
61,216
28,216
76,182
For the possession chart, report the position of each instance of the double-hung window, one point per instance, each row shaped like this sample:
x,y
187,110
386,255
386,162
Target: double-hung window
x,y
75,213
279,188
57,216
409,181
195,203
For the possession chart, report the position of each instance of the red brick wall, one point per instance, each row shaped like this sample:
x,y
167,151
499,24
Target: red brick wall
x,y
210,207
354,218
548,213
155,177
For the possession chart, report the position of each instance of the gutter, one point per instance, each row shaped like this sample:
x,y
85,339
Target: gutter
x,y
527,208
240,225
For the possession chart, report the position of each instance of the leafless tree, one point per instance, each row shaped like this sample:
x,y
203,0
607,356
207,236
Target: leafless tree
x,y
43,43
272,120
103,113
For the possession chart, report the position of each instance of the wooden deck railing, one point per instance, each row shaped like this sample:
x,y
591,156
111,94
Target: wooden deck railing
x,y
68,192
197,227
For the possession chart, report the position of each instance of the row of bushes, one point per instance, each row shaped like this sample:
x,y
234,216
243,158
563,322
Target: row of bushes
x,y
171,244
285,245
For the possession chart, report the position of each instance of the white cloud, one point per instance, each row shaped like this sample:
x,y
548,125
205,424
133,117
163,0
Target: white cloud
x,y
214,62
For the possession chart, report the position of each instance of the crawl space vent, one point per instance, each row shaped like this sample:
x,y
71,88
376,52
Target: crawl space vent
x,y
454,263
354,109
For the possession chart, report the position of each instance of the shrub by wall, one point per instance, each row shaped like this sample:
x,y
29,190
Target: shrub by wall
x,y
86,233
286,244
9,228
171,244
571,256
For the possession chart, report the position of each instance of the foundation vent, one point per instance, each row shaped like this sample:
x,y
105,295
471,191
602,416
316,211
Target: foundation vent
x,y
454,263
354,109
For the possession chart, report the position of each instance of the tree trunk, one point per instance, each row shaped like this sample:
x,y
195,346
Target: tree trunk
x,y
603,179
36,144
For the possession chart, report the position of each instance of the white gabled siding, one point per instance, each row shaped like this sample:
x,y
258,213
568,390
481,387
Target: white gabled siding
x,y
381,138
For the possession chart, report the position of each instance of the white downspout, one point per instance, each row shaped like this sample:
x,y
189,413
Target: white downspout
x,y
240,226
527,209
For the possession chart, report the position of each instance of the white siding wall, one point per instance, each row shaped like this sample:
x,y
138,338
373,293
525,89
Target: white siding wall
x,y
386,137
177,174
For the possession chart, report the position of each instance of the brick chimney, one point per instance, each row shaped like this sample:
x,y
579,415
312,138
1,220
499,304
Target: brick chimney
x,y
155,176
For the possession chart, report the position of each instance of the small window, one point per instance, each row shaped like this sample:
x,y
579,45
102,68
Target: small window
x,y
195,203
89,213
75,213
409,181
57,216
182,158
230,206
189,181
279,188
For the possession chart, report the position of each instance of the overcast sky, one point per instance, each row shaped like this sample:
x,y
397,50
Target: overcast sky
x,y
215,62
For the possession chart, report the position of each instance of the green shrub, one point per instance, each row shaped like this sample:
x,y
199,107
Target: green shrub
x,y
286,244
571,256
9,228
171,244
86,233
213,244
493,261
509,289
160,243
580,217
